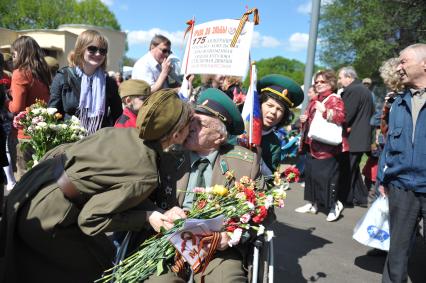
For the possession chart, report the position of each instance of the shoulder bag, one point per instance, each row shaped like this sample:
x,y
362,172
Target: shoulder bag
x,y
323,131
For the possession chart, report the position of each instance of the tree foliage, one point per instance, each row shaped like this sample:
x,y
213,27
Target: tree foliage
x,y
366,33
48,14
279,65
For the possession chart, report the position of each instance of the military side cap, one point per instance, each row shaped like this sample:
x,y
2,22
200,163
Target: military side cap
x,y
214,102
159,114
51,62
134,88
281,88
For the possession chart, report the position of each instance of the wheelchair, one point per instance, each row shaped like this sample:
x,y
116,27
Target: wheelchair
x,y
261,261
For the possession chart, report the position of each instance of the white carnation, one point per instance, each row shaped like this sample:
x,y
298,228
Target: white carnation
x,y
52,110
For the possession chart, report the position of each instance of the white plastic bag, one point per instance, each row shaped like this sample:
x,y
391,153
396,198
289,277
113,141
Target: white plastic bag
x,y
373,229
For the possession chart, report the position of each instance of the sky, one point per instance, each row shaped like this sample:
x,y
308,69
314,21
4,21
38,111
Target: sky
x,y
283,29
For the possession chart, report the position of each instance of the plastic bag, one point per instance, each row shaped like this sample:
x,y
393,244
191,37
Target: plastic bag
x,y
373,229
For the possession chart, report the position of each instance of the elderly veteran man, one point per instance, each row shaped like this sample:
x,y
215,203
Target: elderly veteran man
x,y
132,93
57,215
210,157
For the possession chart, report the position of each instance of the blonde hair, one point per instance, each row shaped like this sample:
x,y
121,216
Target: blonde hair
x,y
388,72
84,40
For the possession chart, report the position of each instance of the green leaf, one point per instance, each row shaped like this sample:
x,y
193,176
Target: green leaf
x,y
160,266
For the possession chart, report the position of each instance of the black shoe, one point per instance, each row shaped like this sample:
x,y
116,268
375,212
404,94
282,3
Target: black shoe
x,y
377,252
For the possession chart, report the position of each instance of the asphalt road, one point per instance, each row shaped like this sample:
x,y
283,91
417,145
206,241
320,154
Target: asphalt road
x,y
310,249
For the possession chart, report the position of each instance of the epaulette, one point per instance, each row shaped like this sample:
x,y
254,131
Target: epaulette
x,y
237,153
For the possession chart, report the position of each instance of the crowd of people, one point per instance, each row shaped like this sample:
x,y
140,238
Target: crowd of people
x,y
147,148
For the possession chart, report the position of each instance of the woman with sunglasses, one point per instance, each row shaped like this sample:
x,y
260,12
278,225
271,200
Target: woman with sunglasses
x,y
321,165
84,89
30,82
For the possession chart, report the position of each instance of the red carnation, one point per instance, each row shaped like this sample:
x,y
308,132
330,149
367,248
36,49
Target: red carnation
x,y
231,225
250,195
262,212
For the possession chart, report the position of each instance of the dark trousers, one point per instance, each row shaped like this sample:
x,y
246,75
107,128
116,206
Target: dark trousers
x,y
405,207
351,186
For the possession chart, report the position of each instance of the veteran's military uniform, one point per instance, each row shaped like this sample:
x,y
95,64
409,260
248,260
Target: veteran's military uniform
x,y
55,220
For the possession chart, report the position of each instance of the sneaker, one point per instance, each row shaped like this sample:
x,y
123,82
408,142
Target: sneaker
x,y
307,208
335,212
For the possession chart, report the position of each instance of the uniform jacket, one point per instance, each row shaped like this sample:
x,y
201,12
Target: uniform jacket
x,y
65,96
271,151
317,149
359,109
402,162
241,160
113,178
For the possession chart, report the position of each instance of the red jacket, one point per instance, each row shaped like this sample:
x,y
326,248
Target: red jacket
x,y
317,149
126,120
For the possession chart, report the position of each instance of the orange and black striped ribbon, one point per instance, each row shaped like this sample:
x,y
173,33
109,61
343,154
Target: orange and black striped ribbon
x,y
243,20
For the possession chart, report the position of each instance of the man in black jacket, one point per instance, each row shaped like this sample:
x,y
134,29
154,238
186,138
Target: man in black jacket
x,y
359,109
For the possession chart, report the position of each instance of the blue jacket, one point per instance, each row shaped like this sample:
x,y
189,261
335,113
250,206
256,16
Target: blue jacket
x,y
403,162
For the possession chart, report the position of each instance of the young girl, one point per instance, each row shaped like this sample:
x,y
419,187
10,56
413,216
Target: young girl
x,y
30,81
278,95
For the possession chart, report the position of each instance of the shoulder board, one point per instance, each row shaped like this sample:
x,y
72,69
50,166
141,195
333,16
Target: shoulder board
x,y
237,153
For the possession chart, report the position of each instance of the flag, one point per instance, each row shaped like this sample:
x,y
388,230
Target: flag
x,y
251,113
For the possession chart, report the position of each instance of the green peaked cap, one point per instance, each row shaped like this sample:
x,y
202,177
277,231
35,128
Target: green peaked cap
x,y
214,102
281,88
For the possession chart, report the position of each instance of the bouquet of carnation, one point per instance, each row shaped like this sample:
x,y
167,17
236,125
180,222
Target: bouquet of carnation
x,y
242,207
291,174
46,129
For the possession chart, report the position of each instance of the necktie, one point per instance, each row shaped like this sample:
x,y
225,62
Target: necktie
x,y
202,165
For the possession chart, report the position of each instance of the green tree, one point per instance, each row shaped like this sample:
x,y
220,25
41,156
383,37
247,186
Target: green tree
x,y
366,33
279,65
48,14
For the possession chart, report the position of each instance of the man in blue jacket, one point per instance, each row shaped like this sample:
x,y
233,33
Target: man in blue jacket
x,y
402,169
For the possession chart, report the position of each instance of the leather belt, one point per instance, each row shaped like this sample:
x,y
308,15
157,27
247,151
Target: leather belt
x,y
68,189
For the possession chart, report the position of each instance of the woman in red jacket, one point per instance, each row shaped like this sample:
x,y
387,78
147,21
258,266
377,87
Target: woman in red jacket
x,y
321,165
30,81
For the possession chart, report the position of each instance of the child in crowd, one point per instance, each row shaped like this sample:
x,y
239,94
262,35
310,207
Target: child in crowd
x,y
132,93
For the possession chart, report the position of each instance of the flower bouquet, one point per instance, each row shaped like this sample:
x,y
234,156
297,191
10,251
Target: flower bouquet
x,y
291,174
242,207
46,129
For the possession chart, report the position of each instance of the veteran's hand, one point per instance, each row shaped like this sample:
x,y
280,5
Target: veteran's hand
x,y
224,238
175,213
319,106
158,220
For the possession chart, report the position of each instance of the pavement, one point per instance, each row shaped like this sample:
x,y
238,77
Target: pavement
x,y
310,249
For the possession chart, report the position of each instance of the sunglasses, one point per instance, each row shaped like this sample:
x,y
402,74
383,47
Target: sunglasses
x,y
165,51
93,49
320,82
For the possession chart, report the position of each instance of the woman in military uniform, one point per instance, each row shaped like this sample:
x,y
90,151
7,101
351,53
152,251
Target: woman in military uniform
x,y
278,95
56,218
